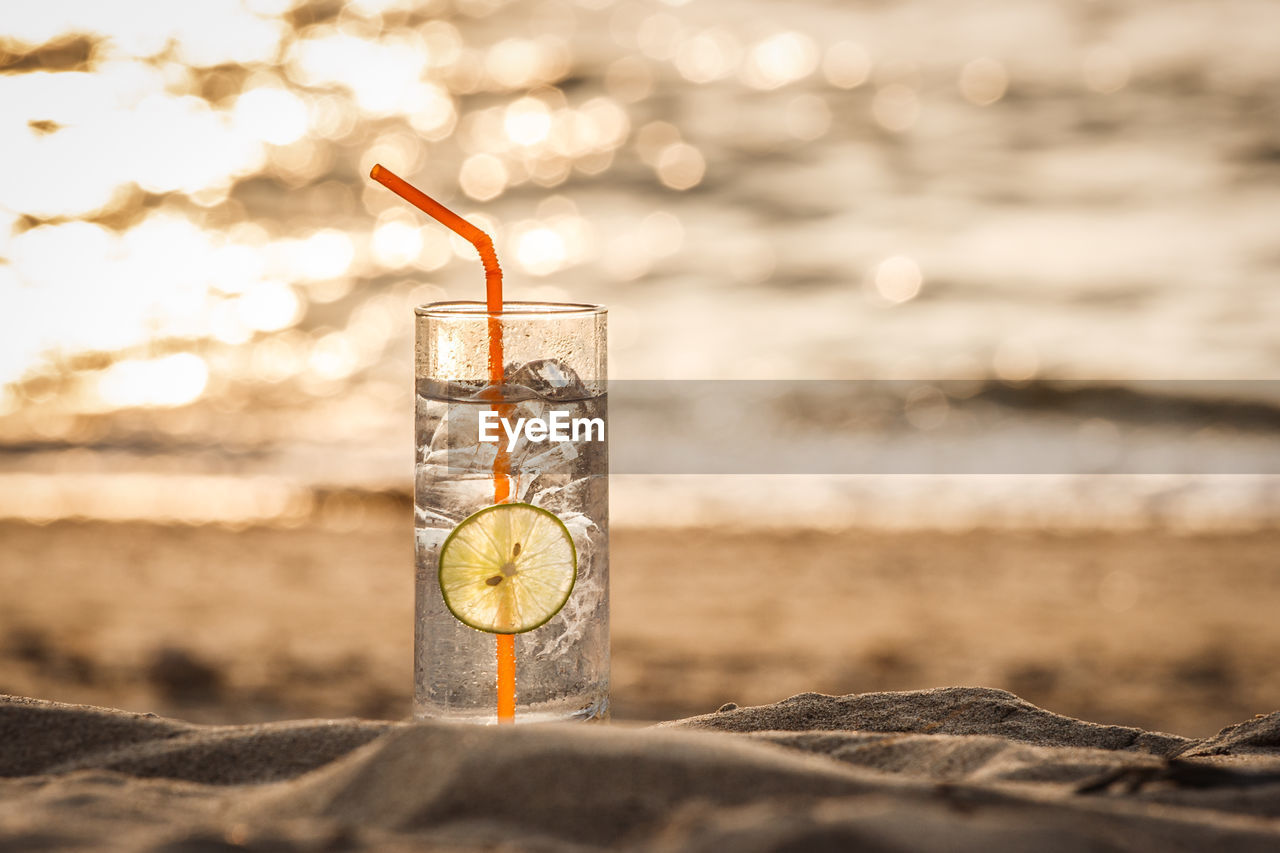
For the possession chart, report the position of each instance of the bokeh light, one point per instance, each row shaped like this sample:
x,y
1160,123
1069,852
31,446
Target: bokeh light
x,y
173,380
397,243
273,115
1016,359
846,65
527,121
540,251
780,59
268,306
192,181
383,75
680,166
326,253
709,55
983,81
483,177
898,279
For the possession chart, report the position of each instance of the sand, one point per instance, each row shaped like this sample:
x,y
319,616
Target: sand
x,y
220,625
1144,632
950,769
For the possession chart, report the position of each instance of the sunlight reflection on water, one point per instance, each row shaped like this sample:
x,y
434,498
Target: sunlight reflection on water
x,y
883,190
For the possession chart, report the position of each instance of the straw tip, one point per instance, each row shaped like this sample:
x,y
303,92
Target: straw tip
x,y
376,171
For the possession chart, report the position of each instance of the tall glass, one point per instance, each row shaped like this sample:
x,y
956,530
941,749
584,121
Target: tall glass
x,y
555,368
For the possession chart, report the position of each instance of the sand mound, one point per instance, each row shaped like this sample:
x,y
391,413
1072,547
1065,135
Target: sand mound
x,y
949,769
52,738
941,711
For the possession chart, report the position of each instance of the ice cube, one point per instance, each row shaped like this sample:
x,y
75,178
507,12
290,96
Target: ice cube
x,y
588,597
448,389
553,457
561,492
550,379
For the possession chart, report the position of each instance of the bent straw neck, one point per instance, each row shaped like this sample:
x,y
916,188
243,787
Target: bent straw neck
x,y
483,244
492,272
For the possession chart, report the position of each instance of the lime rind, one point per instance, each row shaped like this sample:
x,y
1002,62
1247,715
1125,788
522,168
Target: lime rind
x,y
508,568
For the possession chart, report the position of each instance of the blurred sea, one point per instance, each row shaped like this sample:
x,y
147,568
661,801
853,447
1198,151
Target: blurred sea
x,y
207,305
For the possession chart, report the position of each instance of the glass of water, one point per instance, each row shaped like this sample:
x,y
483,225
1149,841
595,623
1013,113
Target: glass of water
x,y
511,513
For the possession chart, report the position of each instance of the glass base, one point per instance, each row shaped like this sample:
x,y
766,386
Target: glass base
x,y
594,712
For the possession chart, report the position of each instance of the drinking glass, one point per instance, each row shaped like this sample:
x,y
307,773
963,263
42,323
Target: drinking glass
x,y
553,371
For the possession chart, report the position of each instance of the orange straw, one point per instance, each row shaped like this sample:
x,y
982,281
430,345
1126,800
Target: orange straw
x,y
493,304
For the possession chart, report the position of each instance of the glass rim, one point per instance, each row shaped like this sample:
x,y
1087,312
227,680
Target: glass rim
x,y
516,308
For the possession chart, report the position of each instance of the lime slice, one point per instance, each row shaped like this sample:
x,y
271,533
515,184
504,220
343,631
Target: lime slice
x,y
508,568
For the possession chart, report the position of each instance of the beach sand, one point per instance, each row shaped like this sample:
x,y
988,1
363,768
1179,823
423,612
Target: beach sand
x,y
218,625
951,769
